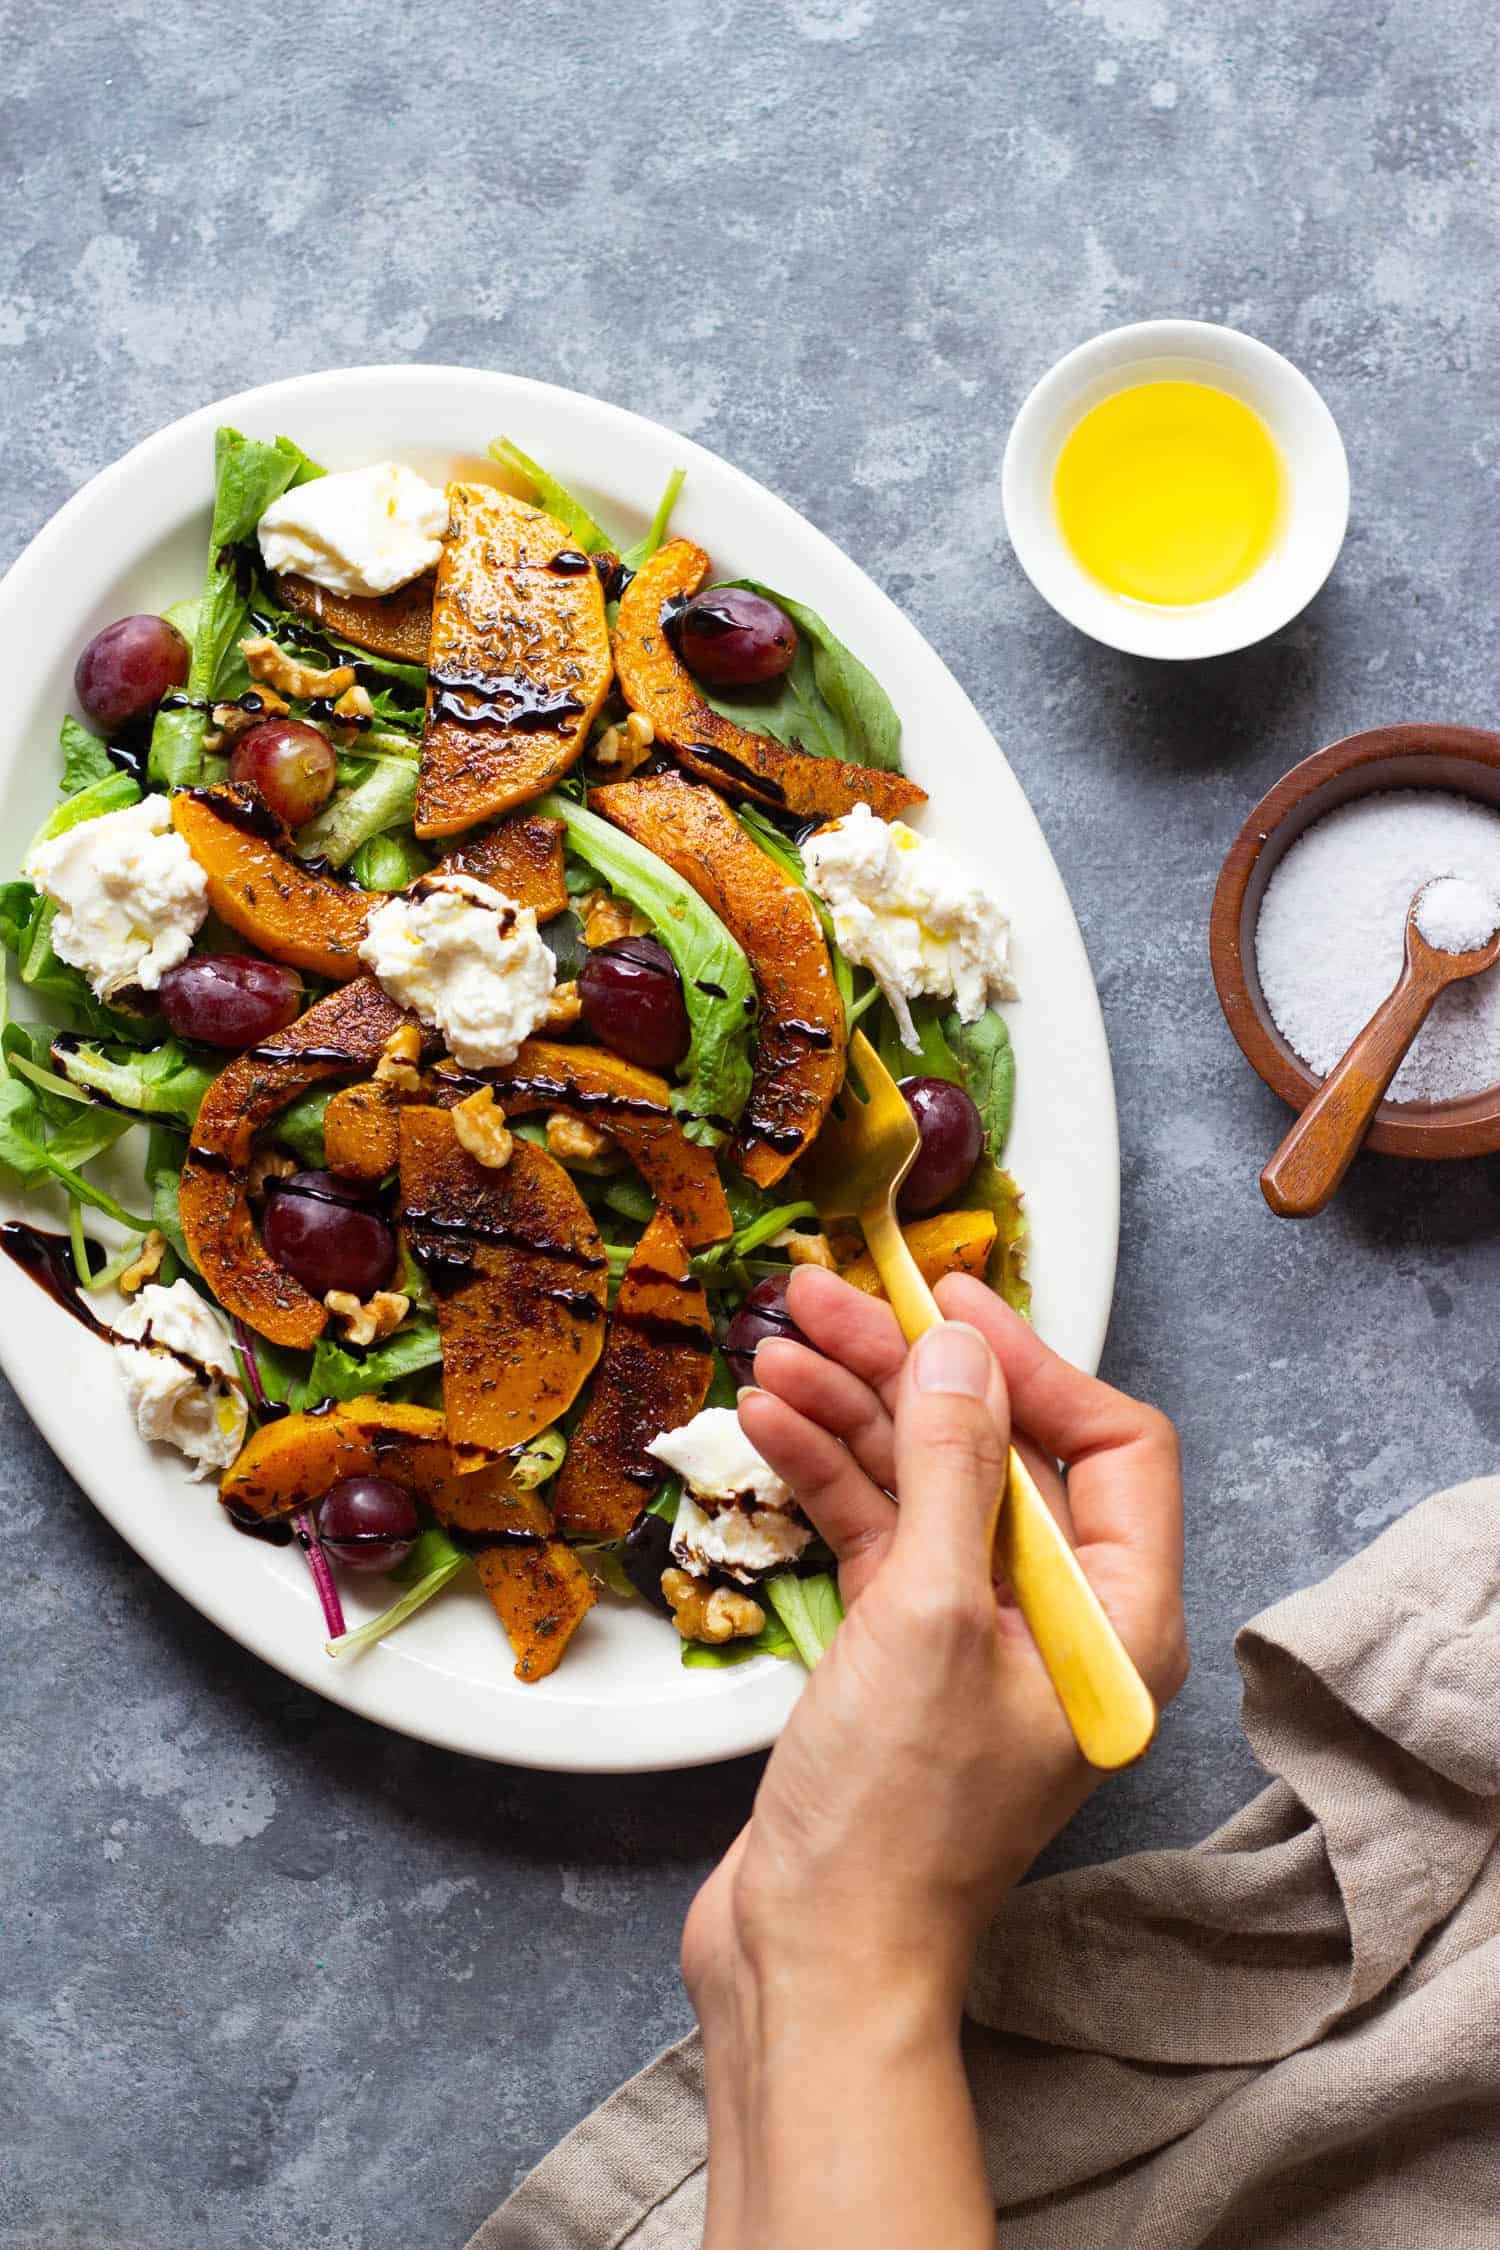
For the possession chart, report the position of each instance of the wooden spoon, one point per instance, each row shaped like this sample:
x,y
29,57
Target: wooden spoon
x,y
1321,1146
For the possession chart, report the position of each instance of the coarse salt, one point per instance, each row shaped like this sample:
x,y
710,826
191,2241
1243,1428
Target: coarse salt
x,y
1331,936
1457,916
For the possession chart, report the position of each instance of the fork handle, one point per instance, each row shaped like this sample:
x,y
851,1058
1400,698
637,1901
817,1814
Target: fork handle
x,y
1107,1703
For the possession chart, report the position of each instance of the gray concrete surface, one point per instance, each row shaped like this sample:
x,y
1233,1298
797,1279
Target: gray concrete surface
x,y
271,1976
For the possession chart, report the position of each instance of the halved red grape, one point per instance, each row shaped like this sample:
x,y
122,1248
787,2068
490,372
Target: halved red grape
x,y
229,999
952,1141
290,763
325,1234
647,1553
631,997
761,1314
368,1523
729,637
126,670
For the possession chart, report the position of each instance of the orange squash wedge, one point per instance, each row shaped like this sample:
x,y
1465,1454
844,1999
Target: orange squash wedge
x,y
634,1107
259,887
799,1061
520,1276
948,1242
655,682
257,884
362,1131
518,664
536,1583
397,625
654,1376
343,1032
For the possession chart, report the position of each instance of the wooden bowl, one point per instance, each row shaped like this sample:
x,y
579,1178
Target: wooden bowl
x,y
1465,760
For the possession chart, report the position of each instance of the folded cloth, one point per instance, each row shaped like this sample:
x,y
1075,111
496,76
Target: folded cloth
x,y
1286,2037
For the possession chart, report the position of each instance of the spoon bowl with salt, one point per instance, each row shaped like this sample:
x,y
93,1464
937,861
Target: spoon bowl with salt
x,y
1452,932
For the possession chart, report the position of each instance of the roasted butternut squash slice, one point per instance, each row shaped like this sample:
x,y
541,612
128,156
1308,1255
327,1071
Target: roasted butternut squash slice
x,y
522,856
362,1131
343,1032
634,1107
520,1275
658,684
518,665
397,625
799,1060
259,887
257,884
538,1587
654,1376
949,1242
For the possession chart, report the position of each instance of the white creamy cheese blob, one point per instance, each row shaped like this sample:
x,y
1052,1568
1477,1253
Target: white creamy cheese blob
x,y
468,961
360,531
179,1375
735,1514
129,895
905,910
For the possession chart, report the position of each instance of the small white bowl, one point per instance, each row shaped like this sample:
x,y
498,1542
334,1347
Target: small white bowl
x,y
1316,509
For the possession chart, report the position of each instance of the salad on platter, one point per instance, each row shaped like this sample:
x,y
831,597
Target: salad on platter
x,y
473,911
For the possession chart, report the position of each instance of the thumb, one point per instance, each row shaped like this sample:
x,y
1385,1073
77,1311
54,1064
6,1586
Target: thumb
x,y
952,1438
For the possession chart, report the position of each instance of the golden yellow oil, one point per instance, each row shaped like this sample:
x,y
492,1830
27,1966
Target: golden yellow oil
x,y
1169,493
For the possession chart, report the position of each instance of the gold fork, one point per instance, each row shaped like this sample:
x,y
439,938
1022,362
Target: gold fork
x,y
862,1156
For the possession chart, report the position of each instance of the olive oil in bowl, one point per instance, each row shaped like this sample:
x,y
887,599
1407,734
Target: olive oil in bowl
x,y
1170,493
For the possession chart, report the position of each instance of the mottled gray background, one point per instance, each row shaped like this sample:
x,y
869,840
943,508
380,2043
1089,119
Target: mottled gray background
x,y
271,1976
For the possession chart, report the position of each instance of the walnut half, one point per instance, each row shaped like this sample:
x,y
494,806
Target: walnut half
x,y
397,1067
482,1131
136,1275
371,1323
268,662
570,1138
715,1614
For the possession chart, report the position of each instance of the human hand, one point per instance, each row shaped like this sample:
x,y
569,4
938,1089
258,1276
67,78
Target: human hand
x,y
928,1760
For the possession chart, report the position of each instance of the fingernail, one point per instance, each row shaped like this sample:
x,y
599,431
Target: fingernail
x,y
953,1358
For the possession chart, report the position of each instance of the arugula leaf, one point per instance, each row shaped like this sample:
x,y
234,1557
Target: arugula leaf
x,y
248,476
389,863
337,1373
164,1081
828,703
554,497
85,757
386,798
716,981
988,1066
809,1608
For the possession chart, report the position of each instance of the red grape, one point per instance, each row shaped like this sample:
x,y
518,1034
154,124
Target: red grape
x,y
229,999
760,1314
952,1141
647,1553
368,1523
291,765
732,638
324,1233
126,670
631,998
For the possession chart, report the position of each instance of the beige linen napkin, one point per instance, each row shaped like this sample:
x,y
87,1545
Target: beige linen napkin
x,y
1287,2037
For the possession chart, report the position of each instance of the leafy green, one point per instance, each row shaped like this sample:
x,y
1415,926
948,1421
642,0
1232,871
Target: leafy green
x,y
549,494
164,1159
248,476
112,792
386,798
991,1189
988,1065
932,1057
716,981
540,1458
337,1373
85,757
302,635
184,615
161,1081
433,1562
828,703
299,1126
34,1155
809,1608
389,863
645,548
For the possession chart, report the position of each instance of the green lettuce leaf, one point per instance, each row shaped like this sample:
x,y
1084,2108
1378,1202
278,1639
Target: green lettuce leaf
x,y
248,476
85,758
716,981
991,1189
389,863
337,1373
163,1081
987,1066
828,703
554,497
299,1126
386,798
112,792
809,1608
433,1562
